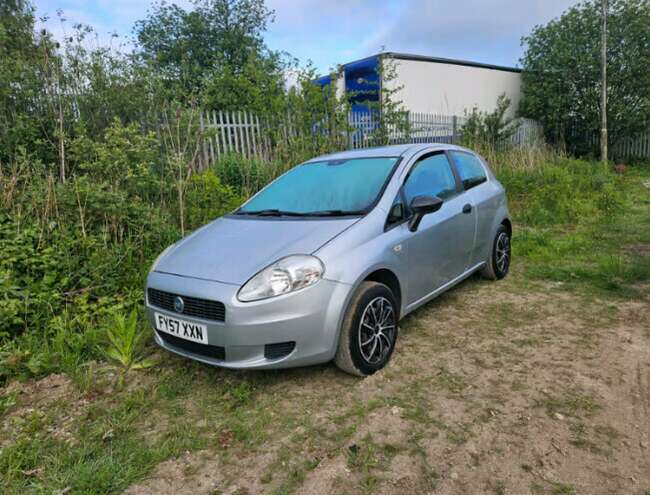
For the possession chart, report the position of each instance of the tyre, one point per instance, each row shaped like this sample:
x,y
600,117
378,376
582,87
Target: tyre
x,y
499,262
369,330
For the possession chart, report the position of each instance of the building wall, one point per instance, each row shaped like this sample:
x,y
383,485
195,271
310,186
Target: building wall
x,y
447,89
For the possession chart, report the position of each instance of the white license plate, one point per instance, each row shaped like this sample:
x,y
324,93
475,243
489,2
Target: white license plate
x,y
181,328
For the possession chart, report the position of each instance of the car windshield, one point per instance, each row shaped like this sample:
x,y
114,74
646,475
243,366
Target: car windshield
x,y
324,188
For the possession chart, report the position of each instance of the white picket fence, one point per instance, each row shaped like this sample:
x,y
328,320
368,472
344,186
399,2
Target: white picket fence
x,y
412,127
638,147
421,127
232,132
527,132
244,133
433,128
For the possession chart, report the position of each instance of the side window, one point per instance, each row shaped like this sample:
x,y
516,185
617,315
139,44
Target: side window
x,y
432,176
470,169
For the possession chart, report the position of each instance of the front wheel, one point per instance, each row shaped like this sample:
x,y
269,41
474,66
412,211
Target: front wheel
x,y
369,330
499,262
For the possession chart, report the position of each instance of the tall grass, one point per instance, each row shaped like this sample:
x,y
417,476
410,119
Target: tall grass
x,y
520,159
573,219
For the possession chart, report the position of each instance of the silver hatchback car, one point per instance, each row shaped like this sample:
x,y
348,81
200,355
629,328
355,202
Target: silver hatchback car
x,y
323,262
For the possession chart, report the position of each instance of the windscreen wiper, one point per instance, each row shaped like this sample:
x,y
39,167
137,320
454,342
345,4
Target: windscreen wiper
x,y
333,213
272,212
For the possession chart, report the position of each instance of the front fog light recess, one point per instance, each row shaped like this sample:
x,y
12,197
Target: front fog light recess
x,y
285,275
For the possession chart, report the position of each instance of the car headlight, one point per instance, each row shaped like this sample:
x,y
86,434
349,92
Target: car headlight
x,y
285,275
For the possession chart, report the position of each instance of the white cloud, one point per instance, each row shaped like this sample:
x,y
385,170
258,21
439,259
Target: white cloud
x,y
330,32
489,30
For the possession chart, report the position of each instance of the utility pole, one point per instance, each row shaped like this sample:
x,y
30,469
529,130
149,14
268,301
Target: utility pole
x,y
603,90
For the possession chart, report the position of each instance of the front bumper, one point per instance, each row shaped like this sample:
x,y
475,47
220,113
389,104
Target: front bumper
x,y
309,317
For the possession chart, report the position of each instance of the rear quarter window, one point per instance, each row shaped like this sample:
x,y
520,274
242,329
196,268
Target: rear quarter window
x,y
471,170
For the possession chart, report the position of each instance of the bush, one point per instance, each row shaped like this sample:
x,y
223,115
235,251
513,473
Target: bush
x,y
246,177
44,272
207,198
488,128
31,277
125,159
76,253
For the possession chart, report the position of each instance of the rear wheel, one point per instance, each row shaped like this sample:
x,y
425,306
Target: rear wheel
x,y
499,262
369,330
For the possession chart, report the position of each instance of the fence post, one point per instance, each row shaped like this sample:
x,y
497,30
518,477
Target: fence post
x,y
203,160
253,134
215,138
350,131
454,129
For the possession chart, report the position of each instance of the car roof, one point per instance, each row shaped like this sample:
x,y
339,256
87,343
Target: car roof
x,y
393,150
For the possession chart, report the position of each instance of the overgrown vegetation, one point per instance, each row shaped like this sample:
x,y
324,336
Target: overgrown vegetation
x,y
488,129
562,73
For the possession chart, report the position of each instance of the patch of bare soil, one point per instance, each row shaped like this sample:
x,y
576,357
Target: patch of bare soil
x,y
35,398
381,427
569,389
494,388
39,392
193,473
57,402
198,473
637,250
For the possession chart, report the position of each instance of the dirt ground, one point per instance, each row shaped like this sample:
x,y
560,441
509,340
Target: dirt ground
x,y
507,387
494,388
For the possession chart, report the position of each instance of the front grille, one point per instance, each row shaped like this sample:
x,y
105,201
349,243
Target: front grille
x,y
277,351
211,351
201,308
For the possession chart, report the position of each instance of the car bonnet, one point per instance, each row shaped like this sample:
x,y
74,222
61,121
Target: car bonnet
x,y
232,250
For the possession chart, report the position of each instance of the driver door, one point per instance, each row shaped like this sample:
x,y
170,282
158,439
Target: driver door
x,y
438,251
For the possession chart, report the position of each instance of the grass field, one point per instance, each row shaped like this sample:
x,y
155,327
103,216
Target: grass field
x,y
536,384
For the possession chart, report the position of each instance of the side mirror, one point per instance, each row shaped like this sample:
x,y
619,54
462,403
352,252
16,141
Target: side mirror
x,y
422,205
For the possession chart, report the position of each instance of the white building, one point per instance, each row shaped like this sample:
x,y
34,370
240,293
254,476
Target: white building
x,y
428,84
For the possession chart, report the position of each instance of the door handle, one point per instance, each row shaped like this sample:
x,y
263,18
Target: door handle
x,y
467,208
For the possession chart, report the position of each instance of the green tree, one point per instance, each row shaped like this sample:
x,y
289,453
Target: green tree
x,y
217,45
52,92
562,72
258,85
20,81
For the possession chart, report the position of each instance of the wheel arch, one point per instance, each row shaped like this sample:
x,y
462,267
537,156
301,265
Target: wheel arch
x,y
376,273
388,278
508,225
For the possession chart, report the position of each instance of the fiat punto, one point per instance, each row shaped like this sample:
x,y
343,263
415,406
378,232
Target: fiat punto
x,y
323,262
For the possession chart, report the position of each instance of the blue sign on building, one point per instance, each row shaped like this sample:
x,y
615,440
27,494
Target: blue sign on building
x,y
362,83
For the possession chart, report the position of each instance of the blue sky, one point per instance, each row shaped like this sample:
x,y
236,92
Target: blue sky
x,y
330,32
